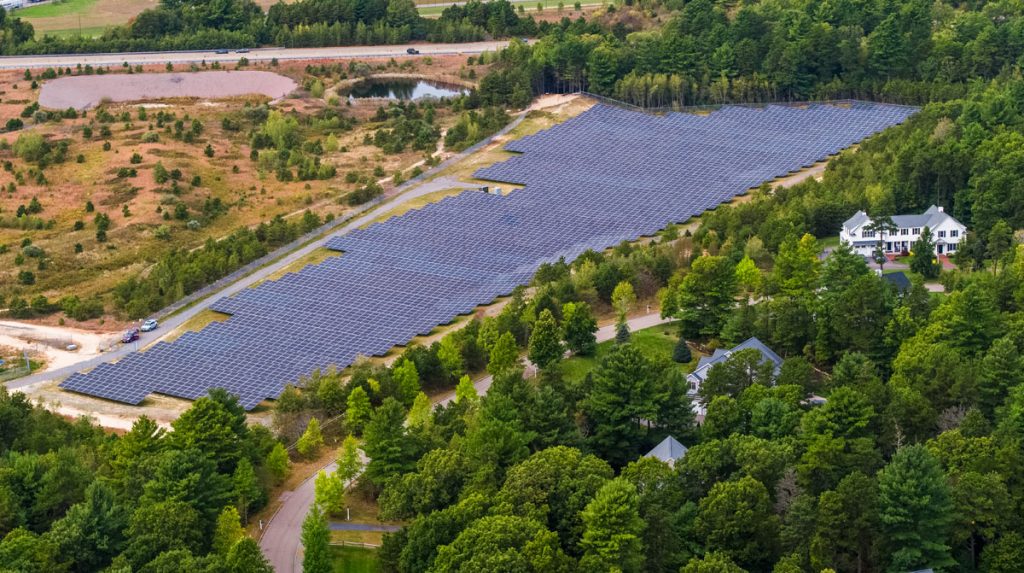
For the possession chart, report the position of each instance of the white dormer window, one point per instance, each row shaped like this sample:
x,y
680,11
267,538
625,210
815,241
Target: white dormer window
x,y
868,234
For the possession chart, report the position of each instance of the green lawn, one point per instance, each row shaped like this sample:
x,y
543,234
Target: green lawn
x,y
656,342
829,242
53,9
354,559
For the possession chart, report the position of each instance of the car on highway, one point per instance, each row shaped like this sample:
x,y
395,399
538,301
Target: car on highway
x,y
242,51
220,51
130,335
412,51
149,325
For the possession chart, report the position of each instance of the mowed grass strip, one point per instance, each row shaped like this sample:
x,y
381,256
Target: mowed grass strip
x,y
89,16
354,559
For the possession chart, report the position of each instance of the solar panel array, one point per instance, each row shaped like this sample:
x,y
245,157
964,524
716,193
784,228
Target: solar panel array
x,y
605,176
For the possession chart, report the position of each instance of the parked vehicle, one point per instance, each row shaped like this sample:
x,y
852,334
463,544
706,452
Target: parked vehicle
x,y
149,325
242,51
130,335
221,51
412,51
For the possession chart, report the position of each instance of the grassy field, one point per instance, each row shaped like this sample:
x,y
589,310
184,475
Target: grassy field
x,y
354,559
656,342
90,16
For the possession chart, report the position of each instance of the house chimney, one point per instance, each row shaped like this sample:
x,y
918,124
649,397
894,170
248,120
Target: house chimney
x,y
941,210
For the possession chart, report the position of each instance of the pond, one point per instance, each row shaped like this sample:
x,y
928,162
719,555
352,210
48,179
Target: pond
x,y
81,92
403,89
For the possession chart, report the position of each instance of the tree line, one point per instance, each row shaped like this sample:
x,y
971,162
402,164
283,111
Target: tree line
x,y
77,499
711,52
195,25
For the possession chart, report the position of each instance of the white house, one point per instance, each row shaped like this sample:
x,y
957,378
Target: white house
x,y
704,365
947,232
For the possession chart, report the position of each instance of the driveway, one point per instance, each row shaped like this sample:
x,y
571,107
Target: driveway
x,y
281,538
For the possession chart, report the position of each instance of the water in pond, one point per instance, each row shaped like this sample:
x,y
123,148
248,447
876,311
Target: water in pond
x,y
404,89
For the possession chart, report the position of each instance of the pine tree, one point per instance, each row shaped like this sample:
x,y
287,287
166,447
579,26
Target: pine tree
x,y
681,353
545,341
1001,369
247,487
407,380
359,409
466,392
278,463
915,510
622,335
312,439
228,531
612,535
504,355
246,557
419,414
316,543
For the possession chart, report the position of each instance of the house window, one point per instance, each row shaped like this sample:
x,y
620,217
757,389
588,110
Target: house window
x,y
904,231
950,247
954,233
868,234
942,234
917,230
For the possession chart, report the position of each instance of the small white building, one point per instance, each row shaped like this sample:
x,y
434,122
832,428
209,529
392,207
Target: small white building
x,y
12,4
947,232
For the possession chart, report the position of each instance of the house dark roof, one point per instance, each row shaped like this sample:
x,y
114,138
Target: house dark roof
x,y
899,280
705,363
668,451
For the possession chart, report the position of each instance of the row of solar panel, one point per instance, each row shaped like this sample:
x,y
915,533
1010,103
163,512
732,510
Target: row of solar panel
x,y
606,176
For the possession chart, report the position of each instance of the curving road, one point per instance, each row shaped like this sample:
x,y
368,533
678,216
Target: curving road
x,y
255,55
281,538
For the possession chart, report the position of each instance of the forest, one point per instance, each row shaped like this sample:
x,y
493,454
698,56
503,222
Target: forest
x,y
911,455
779,50
197,25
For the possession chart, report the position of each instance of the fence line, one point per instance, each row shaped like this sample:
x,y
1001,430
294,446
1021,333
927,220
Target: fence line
x,y
354,544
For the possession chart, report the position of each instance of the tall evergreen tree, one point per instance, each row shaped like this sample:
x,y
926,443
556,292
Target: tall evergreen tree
x,y
545,341
915,511
612,536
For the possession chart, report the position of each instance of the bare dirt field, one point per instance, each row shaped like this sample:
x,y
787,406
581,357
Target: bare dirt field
x,y
84,92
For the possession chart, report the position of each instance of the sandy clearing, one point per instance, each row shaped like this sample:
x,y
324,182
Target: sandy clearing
x,y
82,92
52,341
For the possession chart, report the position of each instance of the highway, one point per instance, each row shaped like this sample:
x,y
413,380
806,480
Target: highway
x,y
255,55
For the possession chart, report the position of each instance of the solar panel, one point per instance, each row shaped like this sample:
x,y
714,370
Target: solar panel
x,y
605,176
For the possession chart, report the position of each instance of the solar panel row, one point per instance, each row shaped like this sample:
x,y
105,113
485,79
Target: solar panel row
x,y
605,176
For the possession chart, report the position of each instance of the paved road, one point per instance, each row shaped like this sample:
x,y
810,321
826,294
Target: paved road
x,y
245,278
256,55
281,535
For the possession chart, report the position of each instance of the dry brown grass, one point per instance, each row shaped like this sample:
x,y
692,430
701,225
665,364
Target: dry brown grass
x,y
252,194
